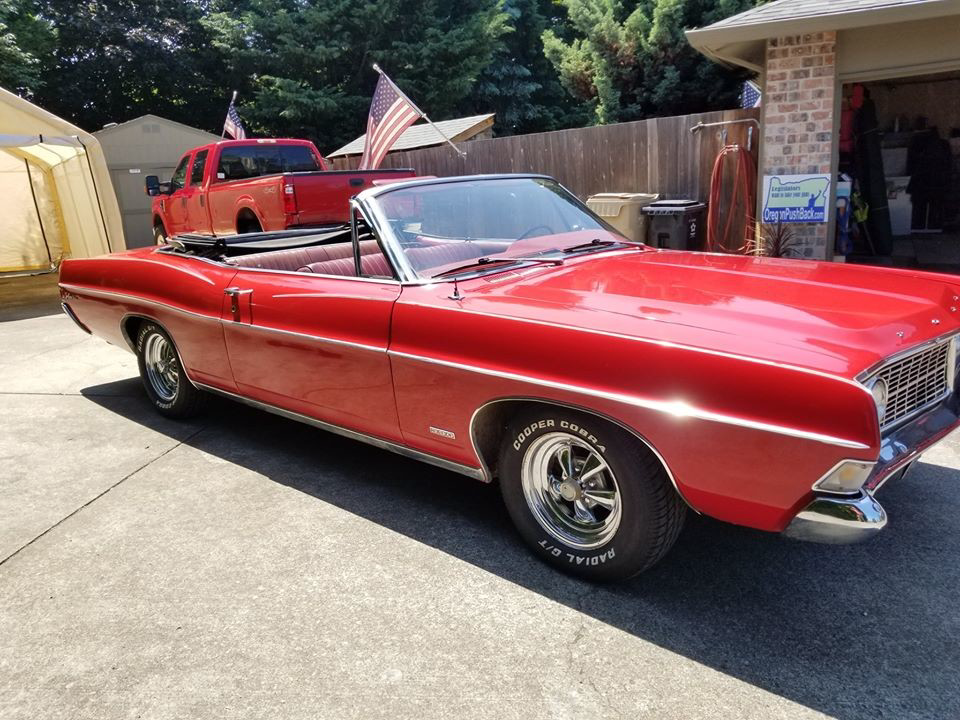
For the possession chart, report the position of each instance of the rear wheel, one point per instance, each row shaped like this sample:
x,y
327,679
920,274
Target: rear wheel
x,y
248,223
163,378
159,234
586,496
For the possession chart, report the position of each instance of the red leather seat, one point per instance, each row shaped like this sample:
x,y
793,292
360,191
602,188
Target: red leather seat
x,y
420,258
296,258
373,264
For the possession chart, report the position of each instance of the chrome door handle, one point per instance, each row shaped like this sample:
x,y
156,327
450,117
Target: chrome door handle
x,y
234,293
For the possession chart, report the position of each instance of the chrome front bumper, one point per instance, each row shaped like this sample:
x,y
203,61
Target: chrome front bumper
x,y
842,519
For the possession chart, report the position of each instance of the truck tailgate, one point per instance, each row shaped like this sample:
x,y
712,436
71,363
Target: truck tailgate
x,y
323,198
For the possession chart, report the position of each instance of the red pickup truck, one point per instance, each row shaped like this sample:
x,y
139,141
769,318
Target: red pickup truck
x,y
243,186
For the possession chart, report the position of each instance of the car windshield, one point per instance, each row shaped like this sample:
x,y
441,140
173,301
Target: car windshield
x,y
472,225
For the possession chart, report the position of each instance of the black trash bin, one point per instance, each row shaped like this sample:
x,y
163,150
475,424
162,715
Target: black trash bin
x,y
676,224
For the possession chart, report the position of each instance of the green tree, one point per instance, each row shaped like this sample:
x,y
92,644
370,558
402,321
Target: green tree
x,y
117,59
520,85
24,40
306,67
630,59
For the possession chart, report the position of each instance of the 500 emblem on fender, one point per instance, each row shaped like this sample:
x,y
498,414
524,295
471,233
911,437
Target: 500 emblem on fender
x,y
564,424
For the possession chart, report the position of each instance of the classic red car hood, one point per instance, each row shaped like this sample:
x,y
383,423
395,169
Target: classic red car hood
x,y
825,316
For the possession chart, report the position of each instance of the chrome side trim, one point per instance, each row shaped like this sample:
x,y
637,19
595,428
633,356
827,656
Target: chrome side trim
x,y
838,521
675,408
70,314
134,298
475,473
650,341
305,336
586,411
79,289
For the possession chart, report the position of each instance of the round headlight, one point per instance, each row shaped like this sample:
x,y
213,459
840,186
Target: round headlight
x,y
879,391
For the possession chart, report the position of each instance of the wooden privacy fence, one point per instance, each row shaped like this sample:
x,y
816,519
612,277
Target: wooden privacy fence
x,y
658,155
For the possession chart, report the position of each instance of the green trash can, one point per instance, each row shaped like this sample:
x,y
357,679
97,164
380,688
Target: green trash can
x,y
676,224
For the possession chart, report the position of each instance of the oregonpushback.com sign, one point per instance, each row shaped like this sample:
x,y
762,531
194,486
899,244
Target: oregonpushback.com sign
x,y
795,198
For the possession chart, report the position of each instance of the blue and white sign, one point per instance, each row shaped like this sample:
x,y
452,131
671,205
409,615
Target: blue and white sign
x,y
795,198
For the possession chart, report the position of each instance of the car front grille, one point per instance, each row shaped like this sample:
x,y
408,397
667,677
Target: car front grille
x,y
916,381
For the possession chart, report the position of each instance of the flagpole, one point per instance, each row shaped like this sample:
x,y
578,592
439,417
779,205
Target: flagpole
x,y
459,152
223,132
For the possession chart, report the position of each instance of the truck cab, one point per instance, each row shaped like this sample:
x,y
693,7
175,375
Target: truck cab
x,y
243,186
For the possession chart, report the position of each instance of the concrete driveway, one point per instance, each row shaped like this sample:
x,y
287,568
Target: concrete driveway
x,y
245,566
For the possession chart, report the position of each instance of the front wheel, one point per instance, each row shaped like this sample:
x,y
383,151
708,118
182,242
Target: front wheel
x,y
163,378
586,496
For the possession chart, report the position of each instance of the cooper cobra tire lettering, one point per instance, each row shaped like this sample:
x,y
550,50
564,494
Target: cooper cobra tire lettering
x,y
651,512
574,428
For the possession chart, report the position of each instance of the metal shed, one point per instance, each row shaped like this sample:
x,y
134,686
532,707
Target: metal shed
x,y
147,145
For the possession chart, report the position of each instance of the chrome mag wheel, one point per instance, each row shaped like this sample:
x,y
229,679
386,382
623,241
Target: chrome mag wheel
x,y
162,366
571,490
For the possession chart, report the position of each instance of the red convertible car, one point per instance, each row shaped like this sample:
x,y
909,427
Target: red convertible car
x,y
493,326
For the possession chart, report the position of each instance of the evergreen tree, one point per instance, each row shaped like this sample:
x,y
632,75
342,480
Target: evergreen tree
x,y
519,84
308,66
114,60
629,59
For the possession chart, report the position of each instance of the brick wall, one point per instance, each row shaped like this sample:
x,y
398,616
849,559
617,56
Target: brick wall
x,y
798,122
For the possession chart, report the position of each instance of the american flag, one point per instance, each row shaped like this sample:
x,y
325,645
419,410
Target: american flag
x,y
233,126
390,114
751,96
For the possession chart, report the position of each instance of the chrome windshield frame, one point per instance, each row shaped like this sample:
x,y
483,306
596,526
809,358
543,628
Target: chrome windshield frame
x,y
365,203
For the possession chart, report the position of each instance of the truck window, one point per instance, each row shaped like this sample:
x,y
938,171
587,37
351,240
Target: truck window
x,y
250,161
298,158
180,174
238,163
196,172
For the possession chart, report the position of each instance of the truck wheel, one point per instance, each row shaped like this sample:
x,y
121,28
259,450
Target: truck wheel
x,y
163,378
586,496
248,224
159,234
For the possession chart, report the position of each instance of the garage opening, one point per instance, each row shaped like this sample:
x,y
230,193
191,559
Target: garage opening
x,y
898,200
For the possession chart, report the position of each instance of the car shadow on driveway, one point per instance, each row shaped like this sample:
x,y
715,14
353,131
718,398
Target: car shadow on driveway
x,y
866,631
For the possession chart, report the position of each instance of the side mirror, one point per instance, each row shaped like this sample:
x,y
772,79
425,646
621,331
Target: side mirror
x,y
152,185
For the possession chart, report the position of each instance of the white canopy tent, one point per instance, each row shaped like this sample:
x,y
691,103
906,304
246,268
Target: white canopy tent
x,y
56,198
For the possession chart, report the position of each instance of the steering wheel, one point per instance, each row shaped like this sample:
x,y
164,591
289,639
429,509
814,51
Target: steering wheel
x,y
536,227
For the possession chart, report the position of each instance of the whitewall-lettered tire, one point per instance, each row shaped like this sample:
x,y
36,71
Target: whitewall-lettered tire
x,y
587,496
163,378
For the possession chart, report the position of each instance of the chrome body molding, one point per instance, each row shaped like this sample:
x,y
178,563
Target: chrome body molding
x,y
837,520
651,341
305,336
211,318
675,408
69,313
97,292
471,472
